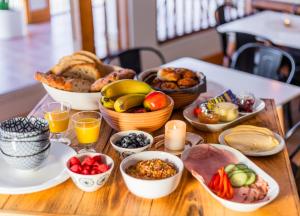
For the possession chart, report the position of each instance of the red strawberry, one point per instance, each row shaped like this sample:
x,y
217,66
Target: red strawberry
x,y
95,171
103,168
97,159
76,168
85,172
87,167
88,161
74,160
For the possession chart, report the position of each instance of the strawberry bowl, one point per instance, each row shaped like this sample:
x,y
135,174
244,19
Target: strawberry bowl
x,y
90,171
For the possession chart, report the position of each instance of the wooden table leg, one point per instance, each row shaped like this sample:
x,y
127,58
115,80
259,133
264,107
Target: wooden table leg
x,y
280,113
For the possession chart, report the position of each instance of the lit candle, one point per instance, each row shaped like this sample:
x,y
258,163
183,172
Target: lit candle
x,y
175,132
287,22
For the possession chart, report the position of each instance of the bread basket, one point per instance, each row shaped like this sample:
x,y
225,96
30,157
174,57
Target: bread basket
x,y
181,97
149,121
78,100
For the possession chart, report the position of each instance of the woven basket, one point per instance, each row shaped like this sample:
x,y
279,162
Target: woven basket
x,y
149,122
181,97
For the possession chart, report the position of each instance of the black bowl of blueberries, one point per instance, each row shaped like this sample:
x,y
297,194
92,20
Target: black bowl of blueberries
x,y
131,142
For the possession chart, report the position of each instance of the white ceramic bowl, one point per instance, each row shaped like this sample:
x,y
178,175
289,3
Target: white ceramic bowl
x,y
129,151
151,189
77,100
90,183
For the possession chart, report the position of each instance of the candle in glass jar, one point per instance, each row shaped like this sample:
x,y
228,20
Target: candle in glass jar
x,y
175,132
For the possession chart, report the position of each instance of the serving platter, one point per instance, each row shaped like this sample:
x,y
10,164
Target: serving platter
x,y
52,173
276,150
189,116
241,207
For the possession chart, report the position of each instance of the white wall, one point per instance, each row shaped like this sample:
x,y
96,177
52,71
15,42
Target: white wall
x,y
142,29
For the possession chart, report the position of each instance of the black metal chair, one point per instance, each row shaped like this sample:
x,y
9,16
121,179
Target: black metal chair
x,y
131,58
264,61
220,16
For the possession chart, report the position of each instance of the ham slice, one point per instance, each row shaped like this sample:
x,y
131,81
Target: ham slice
x,y
205,160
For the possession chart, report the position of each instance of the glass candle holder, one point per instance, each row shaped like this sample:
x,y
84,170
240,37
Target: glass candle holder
x,y
175,134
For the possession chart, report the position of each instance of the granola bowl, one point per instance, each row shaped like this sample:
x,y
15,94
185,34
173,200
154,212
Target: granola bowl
x,y
151,188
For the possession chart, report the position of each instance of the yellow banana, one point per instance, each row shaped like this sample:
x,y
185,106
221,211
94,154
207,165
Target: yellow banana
x,y
124,87
107,102
126,102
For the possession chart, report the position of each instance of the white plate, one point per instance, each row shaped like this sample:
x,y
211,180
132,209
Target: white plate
x,y
52,173
189,116
242,207
277,149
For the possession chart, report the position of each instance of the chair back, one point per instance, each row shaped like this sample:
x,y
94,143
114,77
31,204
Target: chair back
x,y
131,58
264,61
222,16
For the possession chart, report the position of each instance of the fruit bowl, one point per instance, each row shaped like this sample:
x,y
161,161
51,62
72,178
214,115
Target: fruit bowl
x,y
181,97
149,121
124,152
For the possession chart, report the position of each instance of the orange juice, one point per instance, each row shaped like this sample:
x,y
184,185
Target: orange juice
x,y
58,121
87,130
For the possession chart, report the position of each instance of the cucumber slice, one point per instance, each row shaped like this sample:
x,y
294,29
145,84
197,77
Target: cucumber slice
x,y
241,166
229,168
235,172
238,179
251,178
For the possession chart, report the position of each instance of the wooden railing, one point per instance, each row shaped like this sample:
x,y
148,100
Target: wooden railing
x,y
178,18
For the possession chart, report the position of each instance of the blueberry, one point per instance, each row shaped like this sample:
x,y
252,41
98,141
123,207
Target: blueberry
x,y
118,143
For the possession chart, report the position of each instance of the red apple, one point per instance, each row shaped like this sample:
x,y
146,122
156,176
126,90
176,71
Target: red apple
x,y
155,101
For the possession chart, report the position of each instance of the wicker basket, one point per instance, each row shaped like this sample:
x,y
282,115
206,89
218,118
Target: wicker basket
x,y
149,122
181,97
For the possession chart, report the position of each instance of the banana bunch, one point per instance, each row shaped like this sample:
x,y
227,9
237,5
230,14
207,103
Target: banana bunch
x,y
124,94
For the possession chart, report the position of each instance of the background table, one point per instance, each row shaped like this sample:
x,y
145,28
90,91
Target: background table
x,y
188,199
221,78
268,24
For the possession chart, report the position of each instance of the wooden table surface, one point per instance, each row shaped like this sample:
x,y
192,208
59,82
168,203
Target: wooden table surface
x,y
188,199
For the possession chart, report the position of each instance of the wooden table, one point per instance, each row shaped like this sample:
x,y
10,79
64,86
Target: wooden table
x,y
188,199
269,25
221,78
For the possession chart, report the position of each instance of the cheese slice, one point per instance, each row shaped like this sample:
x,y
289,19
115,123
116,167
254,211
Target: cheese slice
x,y
251,141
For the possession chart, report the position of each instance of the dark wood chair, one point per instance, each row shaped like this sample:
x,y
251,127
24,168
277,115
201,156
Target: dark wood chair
x,y
131,58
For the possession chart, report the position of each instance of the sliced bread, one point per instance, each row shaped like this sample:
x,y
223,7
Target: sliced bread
x,y
85,71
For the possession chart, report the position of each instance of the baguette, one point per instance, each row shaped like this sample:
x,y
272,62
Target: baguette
x,y
113,76
63,83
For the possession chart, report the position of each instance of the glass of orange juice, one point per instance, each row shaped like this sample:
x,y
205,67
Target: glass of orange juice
x,y
87,128
58,114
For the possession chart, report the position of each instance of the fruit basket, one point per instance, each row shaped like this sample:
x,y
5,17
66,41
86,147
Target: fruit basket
x,y
149,121
181,97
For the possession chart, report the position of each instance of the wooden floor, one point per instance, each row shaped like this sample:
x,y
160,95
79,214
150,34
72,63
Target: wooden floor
x,y
39,50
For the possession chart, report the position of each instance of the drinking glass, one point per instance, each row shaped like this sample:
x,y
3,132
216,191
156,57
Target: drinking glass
x,y
87,127
57,114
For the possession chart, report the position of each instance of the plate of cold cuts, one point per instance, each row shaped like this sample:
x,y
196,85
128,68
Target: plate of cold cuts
x,y
230,177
